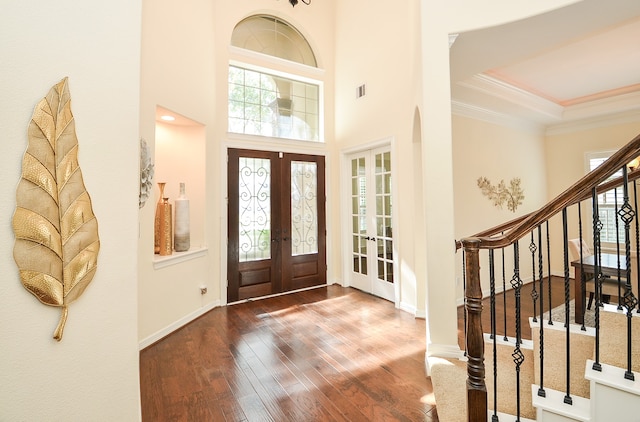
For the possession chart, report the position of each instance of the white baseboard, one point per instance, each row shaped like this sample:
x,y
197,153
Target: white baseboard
x,y
444,351
408,308
437,352
174,326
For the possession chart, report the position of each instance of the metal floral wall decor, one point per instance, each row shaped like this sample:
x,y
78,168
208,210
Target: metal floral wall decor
x,y
146,173
512,195
56,233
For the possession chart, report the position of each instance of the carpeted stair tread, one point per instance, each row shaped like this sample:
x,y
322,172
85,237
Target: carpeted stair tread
x,y
449,380
555,374
506,379
613,338
449,376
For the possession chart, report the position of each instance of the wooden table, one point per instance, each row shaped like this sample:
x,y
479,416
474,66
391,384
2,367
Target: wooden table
x,y
608,267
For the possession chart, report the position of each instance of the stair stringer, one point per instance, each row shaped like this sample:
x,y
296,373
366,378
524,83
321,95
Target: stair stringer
x,y
552,407
555,365
614,398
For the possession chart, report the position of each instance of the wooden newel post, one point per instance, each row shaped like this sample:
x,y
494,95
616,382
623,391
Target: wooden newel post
x,y
476,387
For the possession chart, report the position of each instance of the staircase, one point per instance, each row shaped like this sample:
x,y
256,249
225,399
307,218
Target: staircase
x,y
595,395
565,372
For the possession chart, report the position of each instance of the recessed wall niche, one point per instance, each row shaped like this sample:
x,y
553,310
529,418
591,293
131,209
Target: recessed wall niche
x,y
180,157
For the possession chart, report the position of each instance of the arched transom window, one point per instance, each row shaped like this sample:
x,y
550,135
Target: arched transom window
x,y
270,35
268,102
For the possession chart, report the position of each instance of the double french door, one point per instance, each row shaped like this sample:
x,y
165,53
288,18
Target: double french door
x,y
371,255
276,223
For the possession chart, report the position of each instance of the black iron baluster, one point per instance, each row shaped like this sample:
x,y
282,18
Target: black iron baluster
x,y
635,202
504,298
627,215
549,271
583,276
541,391
518,357
615,205
534,292
565,239
492,293
597,227
492,287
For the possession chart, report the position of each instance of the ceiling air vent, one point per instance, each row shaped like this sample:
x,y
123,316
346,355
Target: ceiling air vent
x,y
360,91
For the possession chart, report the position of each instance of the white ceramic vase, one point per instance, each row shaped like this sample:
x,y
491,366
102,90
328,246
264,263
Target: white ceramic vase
x,y
181,232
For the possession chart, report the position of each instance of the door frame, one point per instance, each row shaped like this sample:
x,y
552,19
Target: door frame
x,y
345,215
271,145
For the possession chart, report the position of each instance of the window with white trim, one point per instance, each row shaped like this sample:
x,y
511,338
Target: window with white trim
x,y
607,202
269,105
270,102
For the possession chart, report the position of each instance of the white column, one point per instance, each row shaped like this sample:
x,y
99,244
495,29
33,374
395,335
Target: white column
x,y
441,313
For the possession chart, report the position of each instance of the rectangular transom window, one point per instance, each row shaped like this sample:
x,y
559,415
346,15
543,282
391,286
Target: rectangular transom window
x,y
269,105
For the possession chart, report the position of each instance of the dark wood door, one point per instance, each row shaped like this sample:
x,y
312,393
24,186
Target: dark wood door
x,y
277,223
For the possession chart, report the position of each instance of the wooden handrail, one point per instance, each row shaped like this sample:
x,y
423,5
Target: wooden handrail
x,y
507,233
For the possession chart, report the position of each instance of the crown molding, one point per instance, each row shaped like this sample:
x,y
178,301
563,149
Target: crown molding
x,y
460,108
553,118
618,104
452,39
499,89
618,118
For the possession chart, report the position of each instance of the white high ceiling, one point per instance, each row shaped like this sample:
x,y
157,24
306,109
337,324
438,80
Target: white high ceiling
x,y
579,63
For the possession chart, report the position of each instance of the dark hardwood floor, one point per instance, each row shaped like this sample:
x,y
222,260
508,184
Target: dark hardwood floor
x,y
327,354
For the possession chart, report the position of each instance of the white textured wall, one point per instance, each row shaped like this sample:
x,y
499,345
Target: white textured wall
x,y
405,64
438,21
377,48
185,57
184,61
565,157
482,149
92,374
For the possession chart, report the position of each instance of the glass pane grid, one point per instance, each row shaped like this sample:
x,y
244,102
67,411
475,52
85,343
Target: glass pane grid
x,y
260,97
384,230
358,216
606,206
608,216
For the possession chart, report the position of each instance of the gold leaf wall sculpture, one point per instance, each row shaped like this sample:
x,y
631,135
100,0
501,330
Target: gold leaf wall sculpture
x,y
57,244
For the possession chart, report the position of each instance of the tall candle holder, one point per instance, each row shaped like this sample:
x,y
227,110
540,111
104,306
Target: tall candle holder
x,y
165,235
157,223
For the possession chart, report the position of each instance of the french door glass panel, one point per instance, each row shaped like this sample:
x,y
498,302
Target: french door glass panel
x,y
304,208
254,193
383,217
371,222
359,214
